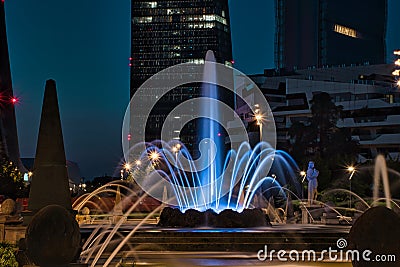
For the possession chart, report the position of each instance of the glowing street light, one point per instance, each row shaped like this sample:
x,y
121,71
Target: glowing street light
x,y
303,174
176,148
396,52
127,166
351,170
397,62
259,118
138,162
154,156
273,176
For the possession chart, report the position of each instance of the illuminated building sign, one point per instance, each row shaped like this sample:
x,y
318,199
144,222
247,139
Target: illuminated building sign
x,y
345,30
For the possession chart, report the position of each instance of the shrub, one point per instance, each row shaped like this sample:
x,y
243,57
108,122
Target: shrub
x,y
7,256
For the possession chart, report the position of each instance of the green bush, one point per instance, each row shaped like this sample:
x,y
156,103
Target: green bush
x,y
7,256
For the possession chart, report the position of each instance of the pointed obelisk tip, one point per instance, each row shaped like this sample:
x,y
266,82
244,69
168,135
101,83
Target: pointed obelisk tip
x,y
51,84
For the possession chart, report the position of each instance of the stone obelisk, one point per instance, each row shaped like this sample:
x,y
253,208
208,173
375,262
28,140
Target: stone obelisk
x,y
8,134
50,180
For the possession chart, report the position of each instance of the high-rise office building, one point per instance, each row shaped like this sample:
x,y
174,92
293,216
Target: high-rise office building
x,y
170,32
8,129
329,32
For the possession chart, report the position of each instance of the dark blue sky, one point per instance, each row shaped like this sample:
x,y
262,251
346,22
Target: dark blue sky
x,y
85,45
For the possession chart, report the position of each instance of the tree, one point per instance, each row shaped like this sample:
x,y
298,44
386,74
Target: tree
x,y
7,256
325,115
11,181
321,140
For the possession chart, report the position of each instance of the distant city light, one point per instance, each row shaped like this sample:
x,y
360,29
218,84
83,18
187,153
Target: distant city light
x,y
397,62
129,137
396,73
219,134
14,100
398,83
397,52
138,163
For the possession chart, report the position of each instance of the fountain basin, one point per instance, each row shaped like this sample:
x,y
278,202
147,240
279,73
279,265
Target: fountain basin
x,y
171,217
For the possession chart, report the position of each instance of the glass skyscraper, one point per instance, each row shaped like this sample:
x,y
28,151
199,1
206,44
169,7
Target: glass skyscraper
x,y
170,32
318,33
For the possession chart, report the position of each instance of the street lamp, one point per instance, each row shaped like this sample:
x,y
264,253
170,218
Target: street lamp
x,y
273,176
351,170
259,119
175,149
154,156
127,166
303,174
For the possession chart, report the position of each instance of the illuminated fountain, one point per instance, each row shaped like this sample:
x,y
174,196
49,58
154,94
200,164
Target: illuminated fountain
x,y
218,179
249,174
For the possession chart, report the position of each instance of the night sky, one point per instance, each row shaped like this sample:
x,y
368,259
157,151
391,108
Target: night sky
x,y
85,45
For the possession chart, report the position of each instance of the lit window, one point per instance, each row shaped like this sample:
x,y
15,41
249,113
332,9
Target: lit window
x,y
209,17
196,61
228,63
173,11
142,19
345,31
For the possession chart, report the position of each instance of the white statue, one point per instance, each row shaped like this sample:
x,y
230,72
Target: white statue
x,y
312,175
